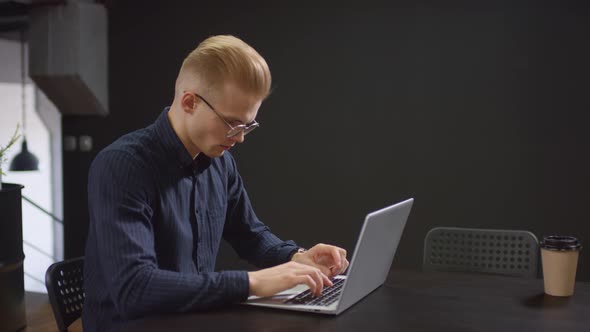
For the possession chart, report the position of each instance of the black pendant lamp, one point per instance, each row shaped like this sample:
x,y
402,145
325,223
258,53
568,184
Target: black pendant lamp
x,y
25,160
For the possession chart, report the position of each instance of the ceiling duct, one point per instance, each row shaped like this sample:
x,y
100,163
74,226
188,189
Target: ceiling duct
x,y
68,54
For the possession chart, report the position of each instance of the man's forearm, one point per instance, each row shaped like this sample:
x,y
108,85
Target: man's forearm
x,y
152,290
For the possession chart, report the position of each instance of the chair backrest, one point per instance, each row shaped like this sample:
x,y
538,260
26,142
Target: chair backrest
x,y
508,252
64,281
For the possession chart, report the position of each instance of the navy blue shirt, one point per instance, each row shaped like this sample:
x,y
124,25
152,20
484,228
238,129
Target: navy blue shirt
x,y
156,221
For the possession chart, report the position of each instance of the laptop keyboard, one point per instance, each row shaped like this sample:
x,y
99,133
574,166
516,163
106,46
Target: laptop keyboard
x,y
329,295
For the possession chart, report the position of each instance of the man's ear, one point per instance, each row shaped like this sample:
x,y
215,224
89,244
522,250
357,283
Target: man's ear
x,y
188,102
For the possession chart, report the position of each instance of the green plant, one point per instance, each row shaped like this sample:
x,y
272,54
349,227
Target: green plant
x,y
4,149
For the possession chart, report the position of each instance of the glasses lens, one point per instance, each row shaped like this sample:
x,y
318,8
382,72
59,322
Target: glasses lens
x,y
234,131
241,128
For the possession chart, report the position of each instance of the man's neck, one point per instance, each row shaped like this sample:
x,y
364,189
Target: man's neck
x,y
174,115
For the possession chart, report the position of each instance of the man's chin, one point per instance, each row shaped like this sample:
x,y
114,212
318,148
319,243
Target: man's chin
x,y
215,153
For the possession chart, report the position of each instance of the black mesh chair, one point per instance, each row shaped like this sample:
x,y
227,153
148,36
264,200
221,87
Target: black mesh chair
x,y
507,252
64,281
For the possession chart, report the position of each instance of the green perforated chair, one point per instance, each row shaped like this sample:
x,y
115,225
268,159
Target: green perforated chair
x,y
507,252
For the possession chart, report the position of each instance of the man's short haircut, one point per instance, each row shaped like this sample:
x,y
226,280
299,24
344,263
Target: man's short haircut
x,y
221,59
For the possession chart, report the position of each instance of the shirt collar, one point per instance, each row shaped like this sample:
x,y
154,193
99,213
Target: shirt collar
x,y
174,147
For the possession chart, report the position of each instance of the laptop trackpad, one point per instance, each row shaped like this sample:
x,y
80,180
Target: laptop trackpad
x,y
279,298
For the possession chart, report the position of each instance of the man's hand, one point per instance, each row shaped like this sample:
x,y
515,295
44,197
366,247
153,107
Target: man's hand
x,y
270,281
331,260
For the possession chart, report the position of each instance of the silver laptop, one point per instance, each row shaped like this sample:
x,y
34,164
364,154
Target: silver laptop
x,y
368,268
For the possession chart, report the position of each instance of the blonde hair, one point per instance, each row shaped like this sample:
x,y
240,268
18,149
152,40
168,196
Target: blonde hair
x,y
221,59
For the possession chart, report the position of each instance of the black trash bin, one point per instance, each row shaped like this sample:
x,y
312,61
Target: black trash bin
x,y
12,284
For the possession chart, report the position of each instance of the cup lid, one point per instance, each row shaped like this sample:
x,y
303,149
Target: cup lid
x,y
562,243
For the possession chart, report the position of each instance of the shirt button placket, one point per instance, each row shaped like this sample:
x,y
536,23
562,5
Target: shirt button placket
x,y
198,240
197,225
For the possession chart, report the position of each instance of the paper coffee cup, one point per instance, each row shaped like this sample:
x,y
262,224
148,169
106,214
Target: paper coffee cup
x,y
559,255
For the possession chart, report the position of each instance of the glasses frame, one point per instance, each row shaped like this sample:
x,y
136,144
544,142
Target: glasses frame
x,y
233,130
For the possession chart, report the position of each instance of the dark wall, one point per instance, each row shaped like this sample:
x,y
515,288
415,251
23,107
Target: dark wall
x,y
479,113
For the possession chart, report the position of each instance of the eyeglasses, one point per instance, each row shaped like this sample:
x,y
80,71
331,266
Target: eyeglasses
x,y
233,130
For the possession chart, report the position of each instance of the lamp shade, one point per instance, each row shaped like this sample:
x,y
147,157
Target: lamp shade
x,y
24,161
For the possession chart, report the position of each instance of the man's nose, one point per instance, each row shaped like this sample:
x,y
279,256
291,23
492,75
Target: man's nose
x,y
239,138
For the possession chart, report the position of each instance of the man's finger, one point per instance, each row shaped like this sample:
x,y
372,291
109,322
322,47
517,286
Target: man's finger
x,y
307,280
344,264
325,270
337,257
315,274
327,281
344,260
317,277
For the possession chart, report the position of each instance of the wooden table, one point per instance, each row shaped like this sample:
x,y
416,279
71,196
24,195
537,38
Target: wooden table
x,y
409,301
40,316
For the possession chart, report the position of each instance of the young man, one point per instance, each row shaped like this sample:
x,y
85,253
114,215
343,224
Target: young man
x,y
161,198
